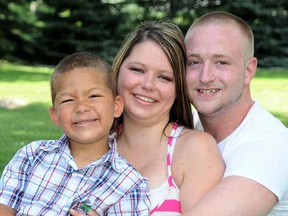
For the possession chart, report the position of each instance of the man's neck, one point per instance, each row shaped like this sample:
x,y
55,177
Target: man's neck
x,y
221,124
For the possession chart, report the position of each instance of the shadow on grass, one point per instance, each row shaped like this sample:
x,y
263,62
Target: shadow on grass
x,y
13,74
282,117
23,125
274,74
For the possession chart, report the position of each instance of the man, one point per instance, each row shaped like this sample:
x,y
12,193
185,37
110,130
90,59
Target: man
x,y
254,144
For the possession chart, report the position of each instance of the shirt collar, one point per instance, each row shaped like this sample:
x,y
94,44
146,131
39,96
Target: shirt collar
x,y
117,162
55,145
112,157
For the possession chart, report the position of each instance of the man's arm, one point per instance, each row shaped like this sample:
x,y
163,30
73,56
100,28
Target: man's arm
x,y
237,196
7,211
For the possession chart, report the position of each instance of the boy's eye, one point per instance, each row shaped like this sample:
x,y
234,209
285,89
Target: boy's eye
x,y
94,96
67,100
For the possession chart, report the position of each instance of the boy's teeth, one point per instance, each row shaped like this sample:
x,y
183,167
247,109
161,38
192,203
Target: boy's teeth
x,y
85,122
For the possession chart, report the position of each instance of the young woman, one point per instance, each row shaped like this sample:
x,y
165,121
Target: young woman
x,y
155,132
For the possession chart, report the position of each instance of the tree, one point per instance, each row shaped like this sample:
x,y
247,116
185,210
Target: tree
x,y
73,26
44,31
16,29
268,20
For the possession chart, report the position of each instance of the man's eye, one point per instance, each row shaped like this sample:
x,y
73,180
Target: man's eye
x,y
222,62
193,62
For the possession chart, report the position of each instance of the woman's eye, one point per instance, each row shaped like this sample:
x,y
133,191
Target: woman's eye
x,y
166,78
137,70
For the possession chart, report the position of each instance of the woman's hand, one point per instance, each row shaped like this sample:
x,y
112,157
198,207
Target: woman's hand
x,y
74,212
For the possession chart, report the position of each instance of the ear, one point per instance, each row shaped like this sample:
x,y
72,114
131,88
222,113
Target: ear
x,y
119,106
251,67
53,116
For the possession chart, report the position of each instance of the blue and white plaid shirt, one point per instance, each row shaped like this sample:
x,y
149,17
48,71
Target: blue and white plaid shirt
x,y
43,179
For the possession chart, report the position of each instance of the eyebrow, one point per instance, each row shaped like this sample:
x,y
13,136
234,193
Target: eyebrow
x,y
214,55
89,90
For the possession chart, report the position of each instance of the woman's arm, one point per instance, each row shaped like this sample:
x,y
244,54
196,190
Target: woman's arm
x,y
198,157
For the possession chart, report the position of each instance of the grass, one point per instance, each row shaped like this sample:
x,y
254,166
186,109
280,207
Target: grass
x,y
27,123
32,122
270,88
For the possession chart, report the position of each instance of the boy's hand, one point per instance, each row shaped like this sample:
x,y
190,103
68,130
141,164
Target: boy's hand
x,y
73,212
7,211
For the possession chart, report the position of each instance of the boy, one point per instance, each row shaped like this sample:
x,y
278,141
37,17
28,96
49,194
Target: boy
x,y
82,169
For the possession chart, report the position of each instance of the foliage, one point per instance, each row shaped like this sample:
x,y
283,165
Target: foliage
x,y
16,29
44,31
72,26
267,18
269,21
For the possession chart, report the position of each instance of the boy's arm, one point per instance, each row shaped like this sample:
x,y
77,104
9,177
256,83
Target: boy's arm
x,y
7,211
13,182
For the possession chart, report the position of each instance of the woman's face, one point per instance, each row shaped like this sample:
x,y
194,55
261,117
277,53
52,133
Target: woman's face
x,y
146,83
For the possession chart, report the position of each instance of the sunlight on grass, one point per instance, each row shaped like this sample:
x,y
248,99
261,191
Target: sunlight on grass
x,y
25,82
270,89
31,122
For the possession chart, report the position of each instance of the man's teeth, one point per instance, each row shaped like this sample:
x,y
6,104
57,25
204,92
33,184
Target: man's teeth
x,y
212,91
150,100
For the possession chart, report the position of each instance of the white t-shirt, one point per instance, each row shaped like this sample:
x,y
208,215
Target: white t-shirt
x,y
258,150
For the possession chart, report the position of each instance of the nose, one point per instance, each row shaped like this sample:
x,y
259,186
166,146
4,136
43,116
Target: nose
x,y
82,107
207,75
148,82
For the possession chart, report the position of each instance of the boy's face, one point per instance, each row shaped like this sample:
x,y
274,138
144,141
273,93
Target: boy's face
x,y
84,106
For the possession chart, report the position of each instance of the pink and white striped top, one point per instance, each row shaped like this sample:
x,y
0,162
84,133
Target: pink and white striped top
x,y
165,200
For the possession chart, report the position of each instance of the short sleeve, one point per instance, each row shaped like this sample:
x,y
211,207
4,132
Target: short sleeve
x,y
14,179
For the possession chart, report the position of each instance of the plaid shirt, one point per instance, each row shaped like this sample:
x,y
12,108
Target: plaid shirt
x,y
43,179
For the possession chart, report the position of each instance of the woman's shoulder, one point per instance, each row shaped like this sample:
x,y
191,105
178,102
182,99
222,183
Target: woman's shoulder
x,y
195,139
194,151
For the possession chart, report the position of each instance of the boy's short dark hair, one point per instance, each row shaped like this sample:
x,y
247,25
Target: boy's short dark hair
x,y
81,60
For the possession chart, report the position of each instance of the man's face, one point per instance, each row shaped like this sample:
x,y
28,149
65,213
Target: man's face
x,y
216,67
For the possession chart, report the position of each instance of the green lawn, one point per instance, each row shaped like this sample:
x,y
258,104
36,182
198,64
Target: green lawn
x,y
270,88
32,122
27,123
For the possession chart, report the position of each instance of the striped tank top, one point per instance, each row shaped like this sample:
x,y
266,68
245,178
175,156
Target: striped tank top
x,y
165,200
